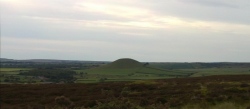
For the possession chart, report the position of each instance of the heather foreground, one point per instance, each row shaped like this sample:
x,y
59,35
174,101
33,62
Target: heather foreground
x,y
228,91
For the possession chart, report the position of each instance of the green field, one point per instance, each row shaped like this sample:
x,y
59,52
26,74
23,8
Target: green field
x,y
132,70
132,74
13,73
218,71
12,69
129,74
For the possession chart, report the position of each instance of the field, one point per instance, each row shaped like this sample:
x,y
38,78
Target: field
x,y
209,92
159,71
130,74
12,73
218,71
12,70
96,75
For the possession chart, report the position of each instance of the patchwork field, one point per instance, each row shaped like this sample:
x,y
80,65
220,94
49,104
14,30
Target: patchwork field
x,y
218,71
129,70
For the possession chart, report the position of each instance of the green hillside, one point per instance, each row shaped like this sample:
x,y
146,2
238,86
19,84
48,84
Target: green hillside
x,y
128,69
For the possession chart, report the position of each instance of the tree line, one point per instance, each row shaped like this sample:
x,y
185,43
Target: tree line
x,y
53,75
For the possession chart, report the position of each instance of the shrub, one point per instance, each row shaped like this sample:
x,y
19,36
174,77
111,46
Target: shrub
x,y
102,80
203,90
120,103
63,101
244,85
161,100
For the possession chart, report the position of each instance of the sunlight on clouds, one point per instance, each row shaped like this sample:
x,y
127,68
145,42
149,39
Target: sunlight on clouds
x,y
169,20
143,18
138,17
157,28
132,18
114,10
158,22
135,34
97,23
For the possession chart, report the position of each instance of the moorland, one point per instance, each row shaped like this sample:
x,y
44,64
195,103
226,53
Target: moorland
x,y
123,84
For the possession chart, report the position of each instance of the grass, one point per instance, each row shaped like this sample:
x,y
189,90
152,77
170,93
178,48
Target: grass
x,y
12,69
131,70
218,71
7,72
143,73
136,73
128,74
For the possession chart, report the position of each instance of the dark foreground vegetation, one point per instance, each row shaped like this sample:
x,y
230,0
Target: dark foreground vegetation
x,y
202,92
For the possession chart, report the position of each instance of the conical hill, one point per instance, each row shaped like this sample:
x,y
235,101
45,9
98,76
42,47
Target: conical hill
x,y
124,63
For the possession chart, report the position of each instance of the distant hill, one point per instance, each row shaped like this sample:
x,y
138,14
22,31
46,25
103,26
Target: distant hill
x,y
48,61
5,59
127,66
124,63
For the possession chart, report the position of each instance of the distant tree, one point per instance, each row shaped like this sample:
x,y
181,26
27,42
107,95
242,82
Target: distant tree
x,y
6,80
17,79
102,79
130,74
53,75
81,74
146,64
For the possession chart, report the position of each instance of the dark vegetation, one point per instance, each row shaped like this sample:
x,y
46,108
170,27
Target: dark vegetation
x,y
42,63
160,94
53,75
199,65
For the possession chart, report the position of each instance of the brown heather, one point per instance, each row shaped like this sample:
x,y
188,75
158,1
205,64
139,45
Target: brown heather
x,y
167,93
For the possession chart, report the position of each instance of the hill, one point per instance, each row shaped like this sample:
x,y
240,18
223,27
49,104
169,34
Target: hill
x,y
5,60
129,69
124,63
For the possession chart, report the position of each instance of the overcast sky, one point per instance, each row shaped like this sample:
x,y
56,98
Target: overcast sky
x,y
145,30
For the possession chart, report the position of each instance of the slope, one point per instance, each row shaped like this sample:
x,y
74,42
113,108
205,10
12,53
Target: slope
x,y
129,69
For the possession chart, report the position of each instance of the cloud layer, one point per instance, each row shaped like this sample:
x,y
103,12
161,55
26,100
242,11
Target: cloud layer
x,y
174,30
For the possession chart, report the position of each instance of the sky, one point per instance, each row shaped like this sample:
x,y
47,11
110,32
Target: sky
x,y
144,30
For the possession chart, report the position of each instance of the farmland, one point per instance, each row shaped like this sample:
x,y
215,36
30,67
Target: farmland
x,y
119,70
124,84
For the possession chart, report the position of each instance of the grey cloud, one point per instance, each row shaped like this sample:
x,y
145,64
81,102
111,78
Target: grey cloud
x,y
207,10
213,3
179,44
